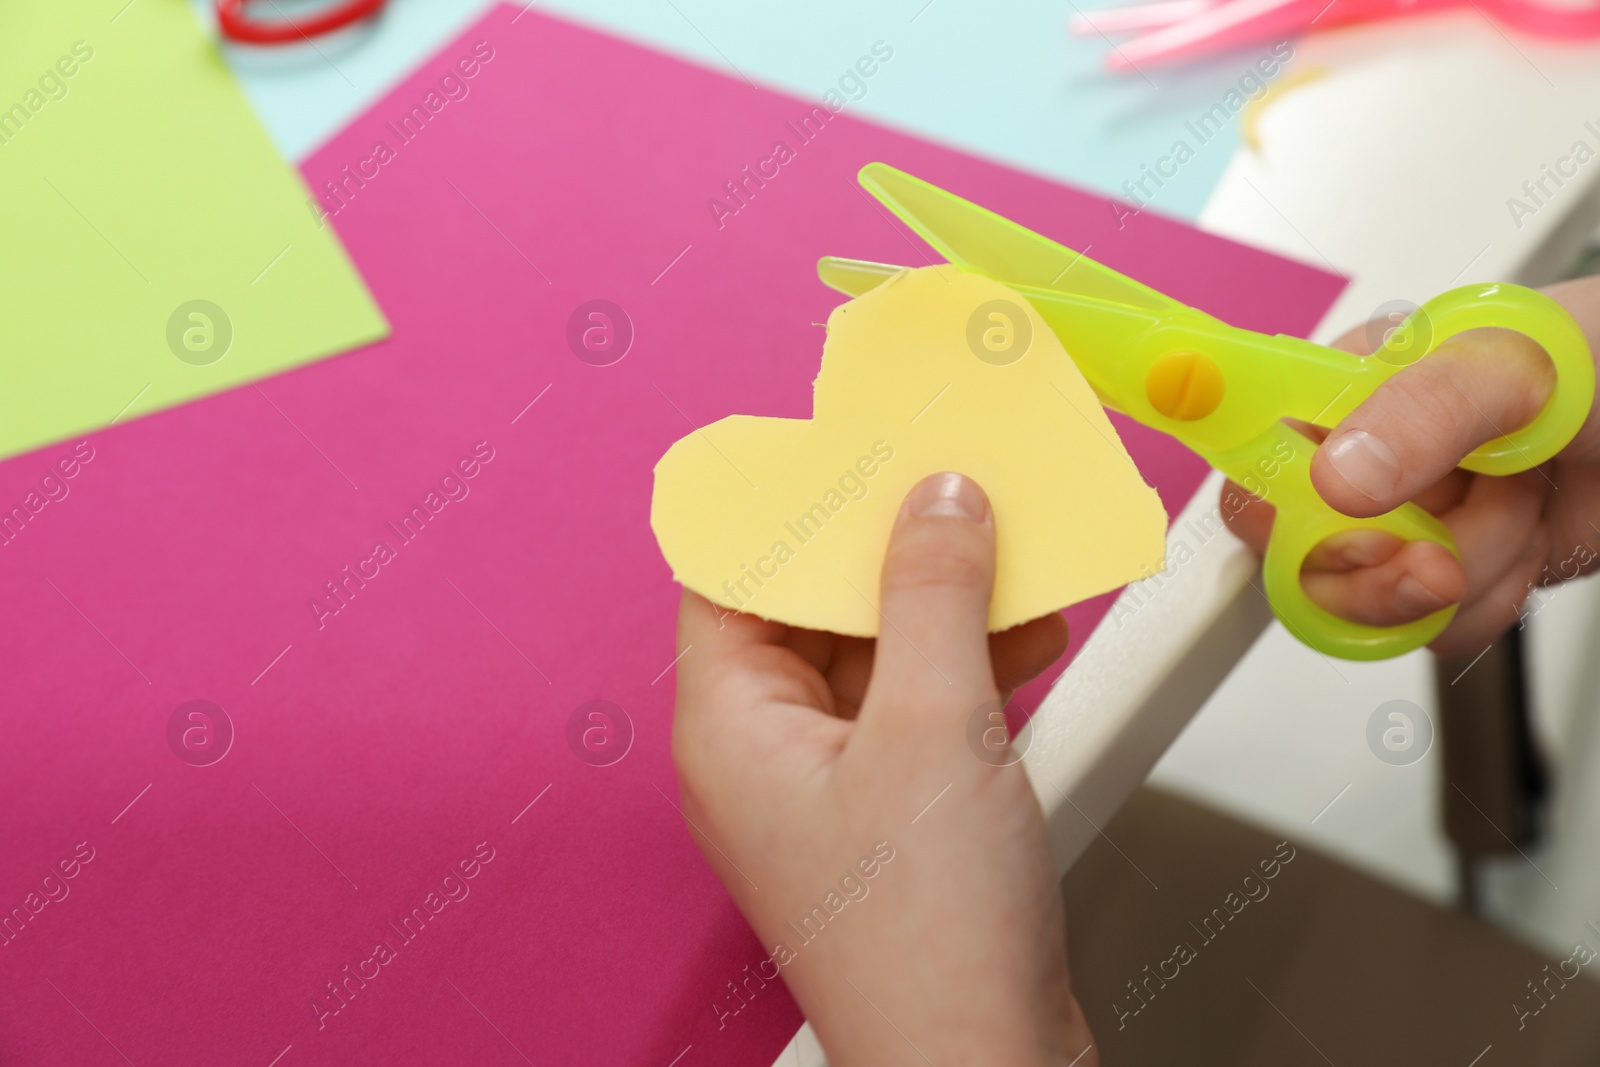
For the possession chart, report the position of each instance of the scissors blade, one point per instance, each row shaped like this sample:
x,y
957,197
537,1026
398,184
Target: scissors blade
x,y
1092,331
1096,335
977,239
852,277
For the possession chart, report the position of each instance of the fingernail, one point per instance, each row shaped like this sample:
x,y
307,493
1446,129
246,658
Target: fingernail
x,y
948,495
1365,462
1414,598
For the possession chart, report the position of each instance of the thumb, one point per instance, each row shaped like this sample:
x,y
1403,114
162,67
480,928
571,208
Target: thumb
x,y
1417,426
938,574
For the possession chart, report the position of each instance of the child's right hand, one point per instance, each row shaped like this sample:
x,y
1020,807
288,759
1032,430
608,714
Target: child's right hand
x,y
1514,534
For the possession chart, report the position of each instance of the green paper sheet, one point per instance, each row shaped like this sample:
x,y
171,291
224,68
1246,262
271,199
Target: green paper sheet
x,y
154,247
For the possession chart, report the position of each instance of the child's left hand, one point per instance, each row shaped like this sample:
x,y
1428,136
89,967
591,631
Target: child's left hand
x,y
829,780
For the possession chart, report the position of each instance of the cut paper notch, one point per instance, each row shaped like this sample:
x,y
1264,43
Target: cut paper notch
x,y
934,369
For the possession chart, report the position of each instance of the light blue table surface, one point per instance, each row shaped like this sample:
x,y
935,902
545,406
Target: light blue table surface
x,y
999,78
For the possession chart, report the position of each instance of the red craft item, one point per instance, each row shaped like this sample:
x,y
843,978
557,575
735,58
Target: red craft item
x,y
236,26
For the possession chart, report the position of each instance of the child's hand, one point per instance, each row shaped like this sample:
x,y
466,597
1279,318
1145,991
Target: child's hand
x,y
1514,534
903,886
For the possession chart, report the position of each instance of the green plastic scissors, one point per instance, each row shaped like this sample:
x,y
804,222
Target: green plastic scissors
x,y
1224,391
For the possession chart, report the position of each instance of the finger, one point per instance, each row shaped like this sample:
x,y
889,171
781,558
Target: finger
x,y
1417,426
938,574
1018,655
729,662
1487,617
1447,493
1581,298
1250,519
1416,580
718,634
1247,516
1364,338
1356,575
1021,653
1496,526
849,674
1352,550
1373,577
816,647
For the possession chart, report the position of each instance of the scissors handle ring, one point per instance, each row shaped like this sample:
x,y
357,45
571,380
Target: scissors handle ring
x,y
1293,538
1276,467
1528,312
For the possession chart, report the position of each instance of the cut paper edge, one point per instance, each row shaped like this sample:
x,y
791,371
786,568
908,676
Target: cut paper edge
x,y
788,519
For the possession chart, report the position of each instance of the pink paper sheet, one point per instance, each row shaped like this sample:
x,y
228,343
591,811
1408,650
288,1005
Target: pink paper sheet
x,y
423,727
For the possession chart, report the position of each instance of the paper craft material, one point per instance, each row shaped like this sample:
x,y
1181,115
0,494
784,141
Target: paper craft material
x,y
158,249
936,369
417,717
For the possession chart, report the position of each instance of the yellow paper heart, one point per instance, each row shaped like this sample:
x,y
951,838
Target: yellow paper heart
x,y
934,370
